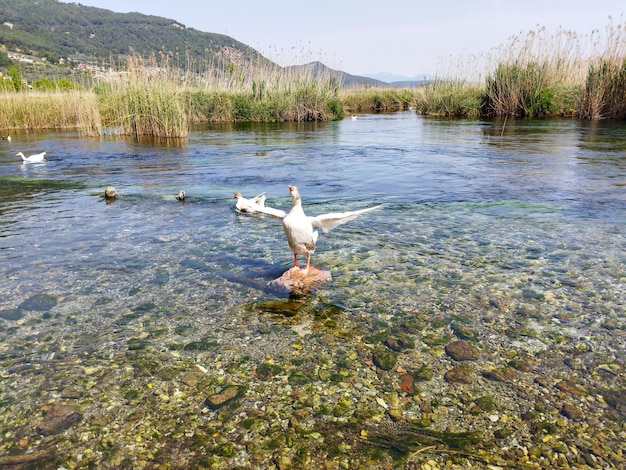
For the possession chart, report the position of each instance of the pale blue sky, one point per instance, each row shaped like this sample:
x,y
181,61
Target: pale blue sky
x,y
405,37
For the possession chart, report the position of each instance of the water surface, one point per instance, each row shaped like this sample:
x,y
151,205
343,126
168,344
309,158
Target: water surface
x,y
477,215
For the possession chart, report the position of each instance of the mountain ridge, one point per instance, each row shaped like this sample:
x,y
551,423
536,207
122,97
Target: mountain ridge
x,y
70,33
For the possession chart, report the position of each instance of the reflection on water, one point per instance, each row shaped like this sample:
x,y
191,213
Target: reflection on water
x,y
530,214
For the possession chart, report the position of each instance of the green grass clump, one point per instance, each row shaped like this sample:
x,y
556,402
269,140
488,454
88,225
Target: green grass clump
x,y
368,100
451,98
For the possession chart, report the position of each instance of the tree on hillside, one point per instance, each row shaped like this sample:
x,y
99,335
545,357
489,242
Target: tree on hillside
x,y
5,62
16,78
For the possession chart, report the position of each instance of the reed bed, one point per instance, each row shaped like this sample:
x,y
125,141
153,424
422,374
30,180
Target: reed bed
x,y
153,98
539,75
368,100
56,110
450,98
144,102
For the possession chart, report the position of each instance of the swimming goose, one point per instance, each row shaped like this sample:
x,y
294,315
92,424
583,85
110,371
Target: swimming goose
x,y
299,227
249,206
38,157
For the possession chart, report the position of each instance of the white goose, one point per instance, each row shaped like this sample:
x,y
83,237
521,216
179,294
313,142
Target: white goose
x,y
249,206
38,157
299,227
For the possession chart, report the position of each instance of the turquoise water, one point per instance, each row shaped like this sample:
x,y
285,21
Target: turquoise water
x,y
518,232
463,200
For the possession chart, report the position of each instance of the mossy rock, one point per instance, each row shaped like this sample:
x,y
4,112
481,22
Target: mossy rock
x,y
207,343
297,378
228,395
266,371
399,343
486,403
384,358
135,344
463,332
423,374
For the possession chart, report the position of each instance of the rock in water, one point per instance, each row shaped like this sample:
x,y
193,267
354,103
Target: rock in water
x,y
110,193
59,418
294,281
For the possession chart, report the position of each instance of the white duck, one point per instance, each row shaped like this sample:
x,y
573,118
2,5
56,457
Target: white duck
x,y
38,157
250,206
299,227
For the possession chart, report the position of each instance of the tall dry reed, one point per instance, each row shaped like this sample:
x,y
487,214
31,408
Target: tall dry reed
x,y
147,100
537,75
51,110
604,90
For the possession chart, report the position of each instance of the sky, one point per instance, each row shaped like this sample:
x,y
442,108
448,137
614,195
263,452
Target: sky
x,y
410,38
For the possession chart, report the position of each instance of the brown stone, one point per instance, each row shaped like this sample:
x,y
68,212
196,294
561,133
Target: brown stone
x,y
23,460
459,374
499,375
571,389
192,377
571,412
59,418
462,351
295,281
406,383
218,400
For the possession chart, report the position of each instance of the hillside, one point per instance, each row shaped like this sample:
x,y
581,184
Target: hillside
x,y
56,31
68,34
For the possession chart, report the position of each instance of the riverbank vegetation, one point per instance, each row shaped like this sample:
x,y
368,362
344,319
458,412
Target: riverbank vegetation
x,y
539,75
152,98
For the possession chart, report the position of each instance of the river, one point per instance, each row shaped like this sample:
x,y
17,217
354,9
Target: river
x,y
507,236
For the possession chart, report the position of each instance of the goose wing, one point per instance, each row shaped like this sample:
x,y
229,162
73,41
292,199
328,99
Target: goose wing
x,y
271,211
331,220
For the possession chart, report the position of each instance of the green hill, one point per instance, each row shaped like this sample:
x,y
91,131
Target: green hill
x,y
58,36
61,31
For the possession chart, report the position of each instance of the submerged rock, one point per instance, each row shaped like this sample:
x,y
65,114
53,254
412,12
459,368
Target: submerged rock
x,y
217,400
295,281
384,358
12,314
39,303
459,374
59,418
461,351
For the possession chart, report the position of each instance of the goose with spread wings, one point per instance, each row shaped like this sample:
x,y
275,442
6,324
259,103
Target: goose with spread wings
x,y
299,227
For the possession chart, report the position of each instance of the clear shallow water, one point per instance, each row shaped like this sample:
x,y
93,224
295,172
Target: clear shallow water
x,y
461,196
476,217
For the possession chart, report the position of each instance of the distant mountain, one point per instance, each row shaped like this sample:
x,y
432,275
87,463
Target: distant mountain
x,y
319,70
399,80
94,36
